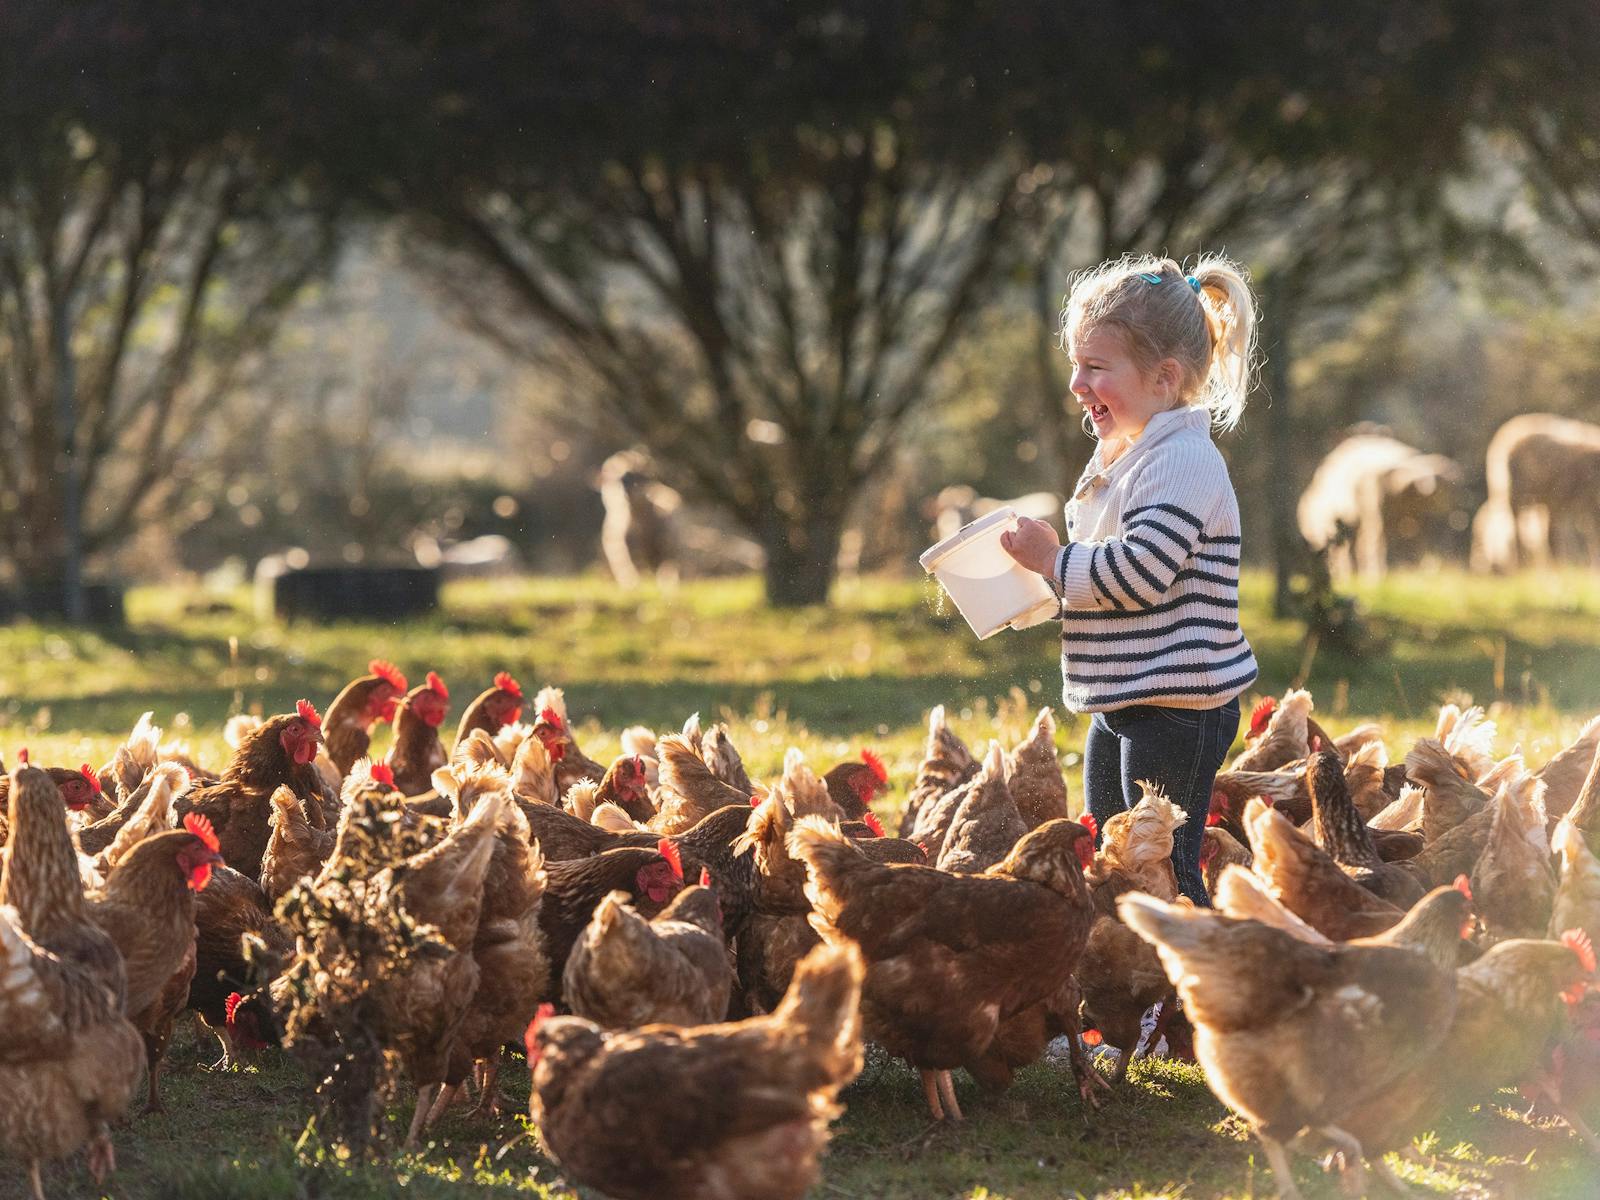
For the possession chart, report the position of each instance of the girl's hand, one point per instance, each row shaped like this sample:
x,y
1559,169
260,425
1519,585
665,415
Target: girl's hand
x,y
1033,544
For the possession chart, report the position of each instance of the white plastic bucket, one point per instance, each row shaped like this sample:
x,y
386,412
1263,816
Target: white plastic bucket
x,y
992,590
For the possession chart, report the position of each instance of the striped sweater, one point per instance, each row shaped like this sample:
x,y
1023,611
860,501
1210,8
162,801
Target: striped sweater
x,y
1149,577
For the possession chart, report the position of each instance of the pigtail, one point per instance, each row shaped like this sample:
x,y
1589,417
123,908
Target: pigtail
x,y
1230,312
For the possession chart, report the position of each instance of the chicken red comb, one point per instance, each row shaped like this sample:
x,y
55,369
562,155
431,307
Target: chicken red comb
x,y
309,711
436,686
705,876
1261,714
200,825
923,846
389,673
1316,743
755,799
1092,1037
549,716
94,780
505,683
1578,942
22,755
231,1005
383,773
1089,823
870,820
1213,818
879,771
1464,886
542,1014
670,853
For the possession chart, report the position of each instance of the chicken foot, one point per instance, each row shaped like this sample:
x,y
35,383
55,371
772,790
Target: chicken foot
x,y
102,1156
1352,1160
33,1178
425,1096
447,1095
1278,1158
488,1087
930,1089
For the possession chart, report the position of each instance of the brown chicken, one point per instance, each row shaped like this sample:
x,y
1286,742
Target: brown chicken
x,y
1585,811
151,812
417,751
689,792
1035,778
1306,881
574,889
625,785
70,1059
1340,829
1232,791
513,973
132,760
498,705
1512,881
1565,774
987,947
365,701
1512,1005
625,971
750,1103
1218,851
1577,898
1449,797
1119,976
553,727
147,907
278,753
724,759
1456,853
987,823
228,989
1284,738
295,850
854,785
79,789
1294,1036
946,765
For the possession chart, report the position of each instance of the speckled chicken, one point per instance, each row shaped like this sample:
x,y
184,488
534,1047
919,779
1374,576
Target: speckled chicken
x,y
946,765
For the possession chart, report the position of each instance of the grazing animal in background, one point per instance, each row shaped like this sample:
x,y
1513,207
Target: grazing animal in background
x,y
637,536
1543,473
1380,492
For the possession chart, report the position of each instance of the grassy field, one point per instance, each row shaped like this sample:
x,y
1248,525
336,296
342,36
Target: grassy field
x,y
862,673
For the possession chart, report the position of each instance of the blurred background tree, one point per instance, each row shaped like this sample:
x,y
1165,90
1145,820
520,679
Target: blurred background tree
x,y
810,254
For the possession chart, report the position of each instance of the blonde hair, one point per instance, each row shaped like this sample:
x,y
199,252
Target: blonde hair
x,y
1203,319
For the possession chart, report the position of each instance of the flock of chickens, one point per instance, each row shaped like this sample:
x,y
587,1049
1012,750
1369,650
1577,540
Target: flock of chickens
x,y
1389,940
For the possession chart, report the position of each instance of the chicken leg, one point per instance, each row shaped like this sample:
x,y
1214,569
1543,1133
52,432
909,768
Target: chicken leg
x,y
947,1092
425,1096
930,1089
1278,1157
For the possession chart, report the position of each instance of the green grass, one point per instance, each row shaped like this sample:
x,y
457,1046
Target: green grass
x,y
862,673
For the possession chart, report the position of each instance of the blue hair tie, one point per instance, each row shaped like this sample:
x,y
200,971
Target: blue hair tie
x,y
1193,283
1149,277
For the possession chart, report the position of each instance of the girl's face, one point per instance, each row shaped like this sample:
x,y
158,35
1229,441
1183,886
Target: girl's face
x,y
1119,395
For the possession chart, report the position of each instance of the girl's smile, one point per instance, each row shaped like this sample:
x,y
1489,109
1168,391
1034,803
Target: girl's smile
x,y
1119,396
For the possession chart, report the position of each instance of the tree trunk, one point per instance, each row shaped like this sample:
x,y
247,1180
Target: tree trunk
x,y
1280,442
802,559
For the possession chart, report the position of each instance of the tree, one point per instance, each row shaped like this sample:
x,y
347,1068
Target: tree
x,y
146,249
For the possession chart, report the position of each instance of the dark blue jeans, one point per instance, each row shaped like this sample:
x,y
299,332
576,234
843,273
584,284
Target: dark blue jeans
x,y
1178,748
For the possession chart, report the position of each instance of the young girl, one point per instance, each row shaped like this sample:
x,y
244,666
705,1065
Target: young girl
x,y
1149,577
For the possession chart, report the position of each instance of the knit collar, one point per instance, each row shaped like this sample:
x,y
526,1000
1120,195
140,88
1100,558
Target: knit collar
x,y
1159,428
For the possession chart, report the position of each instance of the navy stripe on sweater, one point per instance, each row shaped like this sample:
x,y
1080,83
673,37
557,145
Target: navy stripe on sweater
x,y
1163,669
1234,685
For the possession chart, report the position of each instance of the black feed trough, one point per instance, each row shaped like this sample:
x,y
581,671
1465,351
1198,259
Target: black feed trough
x,y
355,593
46,600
